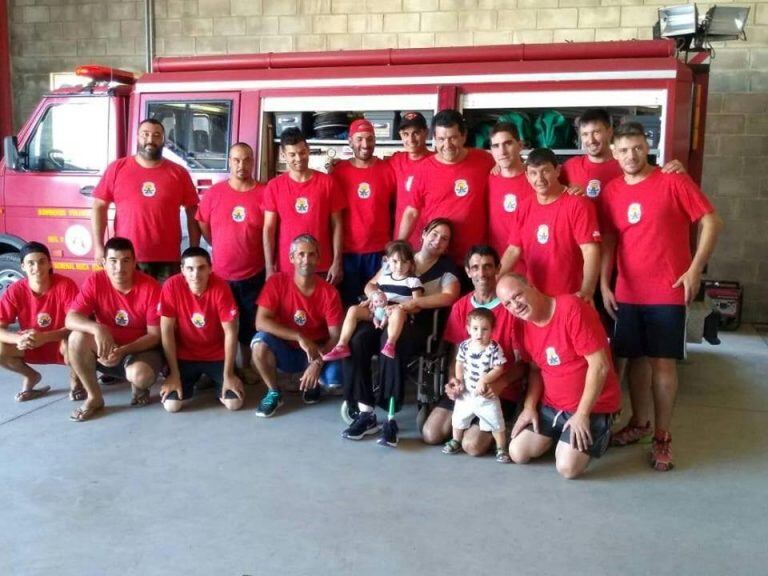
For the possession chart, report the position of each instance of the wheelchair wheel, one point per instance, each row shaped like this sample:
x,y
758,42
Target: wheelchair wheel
x,y
421,416
347,415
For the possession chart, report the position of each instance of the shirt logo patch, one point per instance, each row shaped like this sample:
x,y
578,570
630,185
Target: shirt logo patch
x,y
593,188
408,183
461,188
122,318
198,320
300,317
148,189
238,214
552,358
44,319
542,234
233,313
634,213
510,203
596,235
364,190
302,205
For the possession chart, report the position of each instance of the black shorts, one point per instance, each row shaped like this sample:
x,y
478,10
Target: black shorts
x,y
508,408
653,331
191,371
552,421
154,358
246,292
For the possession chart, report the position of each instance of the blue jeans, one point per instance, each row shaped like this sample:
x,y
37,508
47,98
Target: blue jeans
x,y
292,360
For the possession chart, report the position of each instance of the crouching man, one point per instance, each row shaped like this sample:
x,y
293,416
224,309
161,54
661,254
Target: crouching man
x,y
198,325
39,304
115,329
573,392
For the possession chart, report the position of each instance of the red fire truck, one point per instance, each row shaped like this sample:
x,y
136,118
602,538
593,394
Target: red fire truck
x,y
50,168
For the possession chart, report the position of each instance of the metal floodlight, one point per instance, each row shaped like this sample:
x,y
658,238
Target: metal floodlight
x,y
677,21
726,23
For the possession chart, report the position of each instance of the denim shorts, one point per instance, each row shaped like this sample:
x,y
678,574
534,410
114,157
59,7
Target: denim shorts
x,y
292,359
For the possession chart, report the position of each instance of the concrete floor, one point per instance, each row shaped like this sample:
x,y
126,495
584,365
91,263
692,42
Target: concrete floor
x,y
206,492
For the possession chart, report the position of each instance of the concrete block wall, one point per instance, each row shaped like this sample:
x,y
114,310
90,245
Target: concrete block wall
x,y
55,35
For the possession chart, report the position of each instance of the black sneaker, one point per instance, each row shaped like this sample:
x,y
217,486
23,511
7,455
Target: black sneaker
x,y
269,404
388,434
311,396
364,425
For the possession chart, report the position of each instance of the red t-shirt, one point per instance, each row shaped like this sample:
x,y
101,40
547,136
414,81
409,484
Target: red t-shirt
x,y
458,192
405,170
199,319
40,312
236,220
558,349
506,331
311,315
367,217
147,203
125,315
303,208
549,236
504,196
652,220
592,176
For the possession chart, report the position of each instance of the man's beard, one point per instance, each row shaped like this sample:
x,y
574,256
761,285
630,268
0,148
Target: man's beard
x,y
151,154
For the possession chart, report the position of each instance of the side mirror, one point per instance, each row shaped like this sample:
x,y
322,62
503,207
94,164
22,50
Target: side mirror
x,y
11,153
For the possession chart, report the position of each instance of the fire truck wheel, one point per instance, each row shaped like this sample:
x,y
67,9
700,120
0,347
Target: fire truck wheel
x,y
10,270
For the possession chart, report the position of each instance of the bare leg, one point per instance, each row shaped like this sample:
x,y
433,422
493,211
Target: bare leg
x,y
664,390
570,462
354,315
457,434
639,377
500,438
74,381
266,364
437,428
395,326
477,442
82,355
141,377
528,445
11,358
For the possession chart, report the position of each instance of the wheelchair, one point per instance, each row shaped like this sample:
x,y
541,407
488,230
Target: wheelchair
x,y
426,372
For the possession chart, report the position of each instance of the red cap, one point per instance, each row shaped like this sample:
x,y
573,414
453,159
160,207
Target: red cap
x,y
360,125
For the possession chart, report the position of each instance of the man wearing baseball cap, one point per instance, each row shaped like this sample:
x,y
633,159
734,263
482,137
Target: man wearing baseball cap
x,y
413,132
368,184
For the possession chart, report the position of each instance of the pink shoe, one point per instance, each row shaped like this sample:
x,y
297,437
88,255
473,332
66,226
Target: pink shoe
x,y
388,350
339,352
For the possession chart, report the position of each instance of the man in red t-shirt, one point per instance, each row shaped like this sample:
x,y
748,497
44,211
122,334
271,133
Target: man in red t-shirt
x,y
452,184
147,191
198,325
573,392
481,265
115,329
508,186
555,233
39,304
231,218
368,185
413,131
299,319
302,201
648,216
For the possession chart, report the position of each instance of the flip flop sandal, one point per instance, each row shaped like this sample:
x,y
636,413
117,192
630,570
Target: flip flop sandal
x,y
78,393
82,414
25,395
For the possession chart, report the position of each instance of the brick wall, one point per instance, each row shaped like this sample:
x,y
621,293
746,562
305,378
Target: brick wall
x,y
55,35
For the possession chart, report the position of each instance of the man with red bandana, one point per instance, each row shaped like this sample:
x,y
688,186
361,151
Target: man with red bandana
x,y
368,184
